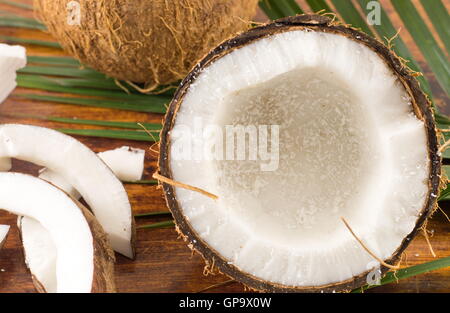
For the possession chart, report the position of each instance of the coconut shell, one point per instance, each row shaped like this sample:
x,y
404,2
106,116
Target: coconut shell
x,y
153,42
421,108
104,259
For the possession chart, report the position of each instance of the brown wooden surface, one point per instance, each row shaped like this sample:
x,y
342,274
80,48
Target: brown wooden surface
x,y
163,262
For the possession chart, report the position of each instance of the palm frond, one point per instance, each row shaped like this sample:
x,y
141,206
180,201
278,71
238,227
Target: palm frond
x,y
10,20
17,4
424,39
319,6
392,277
27,41
351,15
62,61
99,103
112,134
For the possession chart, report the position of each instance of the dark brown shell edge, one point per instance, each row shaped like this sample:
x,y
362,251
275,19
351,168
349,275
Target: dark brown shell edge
x,y
421,107
104,258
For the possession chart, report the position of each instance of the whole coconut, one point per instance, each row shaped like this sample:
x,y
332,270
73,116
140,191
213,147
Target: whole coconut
x,y
146,41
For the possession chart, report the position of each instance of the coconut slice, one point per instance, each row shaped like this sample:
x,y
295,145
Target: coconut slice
x,y
348,134
82,169
40,252
83,260
59,181
12,58
125,162
4,229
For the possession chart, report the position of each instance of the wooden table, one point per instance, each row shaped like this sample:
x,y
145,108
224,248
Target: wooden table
x,y
163,262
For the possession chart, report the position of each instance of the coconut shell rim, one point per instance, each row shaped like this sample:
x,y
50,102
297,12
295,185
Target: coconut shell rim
x,y
421,107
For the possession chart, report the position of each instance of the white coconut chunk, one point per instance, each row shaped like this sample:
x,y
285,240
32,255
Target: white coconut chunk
x,y
12,58
349,146
59,181
40,252
4,229
82,169
126,162
63,220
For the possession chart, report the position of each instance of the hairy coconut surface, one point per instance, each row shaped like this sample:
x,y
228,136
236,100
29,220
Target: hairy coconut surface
x,y
356,140
84,259
154,42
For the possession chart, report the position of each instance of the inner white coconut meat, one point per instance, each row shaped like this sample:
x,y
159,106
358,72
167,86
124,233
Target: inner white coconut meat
x,y
40,252
64,222
349,146
81,168
126,163
12,58
4,229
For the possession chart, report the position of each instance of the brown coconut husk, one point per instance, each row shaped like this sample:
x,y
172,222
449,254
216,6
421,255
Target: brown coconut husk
x,y
154,42
421,106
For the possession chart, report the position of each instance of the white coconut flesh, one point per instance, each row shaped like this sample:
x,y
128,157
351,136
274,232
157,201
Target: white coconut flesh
x,y
63,220
40,252
12,58
349,146
4,229
82,169
126,163
59,181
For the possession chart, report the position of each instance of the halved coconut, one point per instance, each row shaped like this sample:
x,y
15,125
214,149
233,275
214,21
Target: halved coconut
x,y
4,229
356,140
84,261
82,169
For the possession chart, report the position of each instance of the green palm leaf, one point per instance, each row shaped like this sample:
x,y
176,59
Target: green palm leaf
x,y
112,133
440,18
386,31
392,277
351,16
26,41
436,59
17,4
319,5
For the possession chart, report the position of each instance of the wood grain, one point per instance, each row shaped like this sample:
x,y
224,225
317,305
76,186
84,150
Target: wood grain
x,y
164,263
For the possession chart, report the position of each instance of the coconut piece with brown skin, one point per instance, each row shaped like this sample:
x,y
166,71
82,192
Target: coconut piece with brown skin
x,y
84,260
81,168
153,42
357,141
